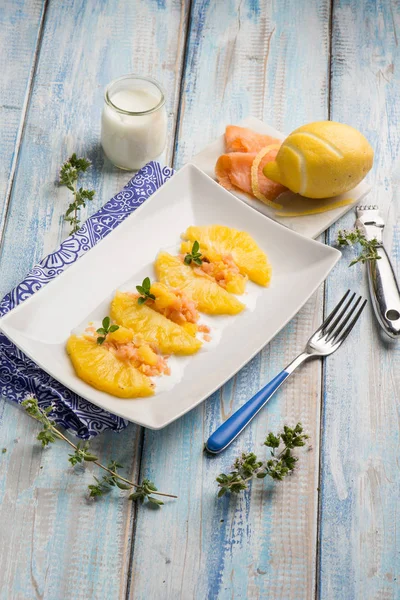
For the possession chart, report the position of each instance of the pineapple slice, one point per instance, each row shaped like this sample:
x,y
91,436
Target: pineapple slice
x,y
191,328
156,329
225,272
121,336
165,297
174,305
208,295
219,239
147,355
101,369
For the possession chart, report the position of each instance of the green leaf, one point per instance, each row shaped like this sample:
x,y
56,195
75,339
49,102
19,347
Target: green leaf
x,y
101,340
155,501
151,296
141,300
146,284
298,441
95,491
222,478
87,194
106,323
113,328
272,441
222,491
135,496
150,485
113,465
140,289
101,331
90,457
122,486
46,437
194,255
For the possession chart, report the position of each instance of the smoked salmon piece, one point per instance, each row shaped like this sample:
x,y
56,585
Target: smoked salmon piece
x,y
233,171
241,139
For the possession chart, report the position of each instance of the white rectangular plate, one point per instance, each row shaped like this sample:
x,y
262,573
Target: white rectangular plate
x,y
40,326
309,225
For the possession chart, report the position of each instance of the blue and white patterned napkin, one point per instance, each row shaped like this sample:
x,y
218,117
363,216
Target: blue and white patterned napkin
x,y
19,376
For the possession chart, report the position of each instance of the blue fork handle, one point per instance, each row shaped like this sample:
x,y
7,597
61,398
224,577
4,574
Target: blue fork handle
x,y
228,431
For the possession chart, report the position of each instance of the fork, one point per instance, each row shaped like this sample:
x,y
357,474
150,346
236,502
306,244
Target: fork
x,y
326,340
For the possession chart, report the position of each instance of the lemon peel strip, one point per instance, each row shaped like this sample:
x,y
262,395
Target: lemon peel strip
x,y
254,176
315,211
302,166
328,145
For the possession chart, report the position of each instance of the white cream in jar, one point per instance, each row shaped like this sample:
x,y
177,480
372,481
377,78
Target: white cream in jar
x,y
134,121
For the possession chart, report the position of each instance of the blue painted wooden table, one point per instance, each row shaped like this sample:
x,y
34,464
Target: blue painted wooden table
x,y
331,530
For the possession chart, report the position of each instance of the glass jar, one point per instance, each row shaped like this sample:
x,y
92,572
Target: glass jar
x,y
134,121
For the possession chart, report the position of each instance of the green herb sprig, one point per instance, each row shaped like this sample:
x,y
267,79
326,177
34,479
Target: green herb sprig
x,y
369,248
81,454
194,256
281,463
50,433
105,330
144,291
69,174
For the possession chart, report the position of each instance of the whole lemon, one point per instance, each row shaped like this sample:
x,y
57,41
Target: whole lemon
x,y
321,159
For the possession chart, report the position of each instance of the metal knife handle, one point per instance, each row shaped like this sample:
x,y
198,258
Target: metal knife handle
x,y
385,293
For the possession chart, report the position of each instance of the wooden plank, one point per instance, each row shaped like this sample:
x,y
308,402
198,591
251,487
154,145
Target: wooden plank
x,y
20,25
244,57
58,544
360,469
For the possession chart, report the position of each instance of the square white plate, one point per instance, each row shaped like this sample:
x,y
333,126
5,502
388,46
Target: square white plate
x,y
309,225
41,325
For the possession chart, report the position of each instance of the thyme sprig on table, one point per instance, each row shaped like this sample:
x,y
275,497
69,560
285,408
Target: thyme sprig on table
x,y
144,291
281,463
69,174
50,433
194,256
368,247
105,329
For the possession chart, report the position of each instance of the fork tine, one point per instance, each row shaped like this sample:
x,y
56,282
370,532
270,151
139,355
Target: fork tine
x,y
328,331
337,327
351,324
333,313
